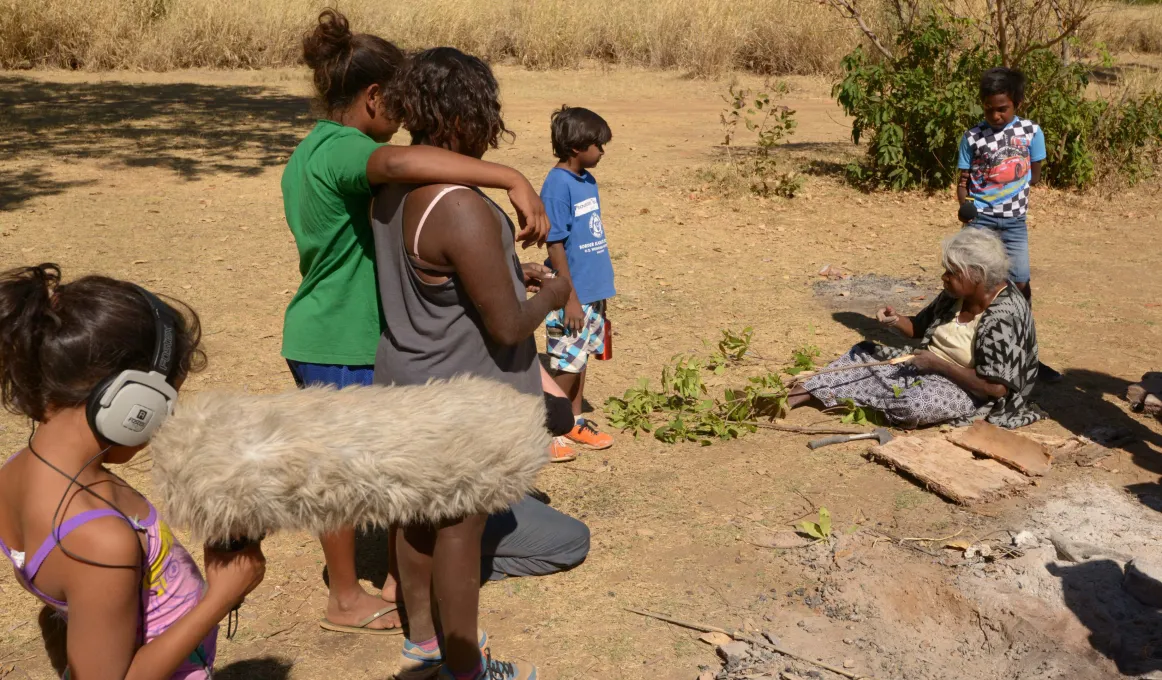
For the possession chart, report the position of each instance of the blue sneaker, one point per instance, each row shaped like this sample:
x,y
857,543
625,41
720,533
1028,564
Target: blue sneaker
x,y
416,664
498,670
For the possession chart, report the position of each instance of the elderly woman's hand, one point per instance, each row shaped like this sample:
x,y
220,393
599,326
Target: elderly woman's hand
x,y
927,362
890,318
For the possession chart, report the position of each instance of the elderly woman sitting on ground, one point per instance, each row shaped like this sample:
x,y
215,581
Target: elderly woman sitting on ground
x,y
977,356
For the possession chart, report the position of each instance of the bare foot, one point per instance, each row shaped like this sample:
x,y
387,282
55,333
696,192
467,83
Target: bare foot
x,y
351,609
390,592
798,396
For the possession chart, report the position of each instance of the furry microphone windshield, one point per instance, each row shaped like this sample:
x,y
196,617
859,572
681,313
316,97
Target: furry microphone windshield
x,y
231,465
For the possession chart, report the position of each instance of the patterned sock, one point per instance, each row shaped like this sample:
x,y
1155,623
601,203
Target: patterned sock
x,y
578,420
428,645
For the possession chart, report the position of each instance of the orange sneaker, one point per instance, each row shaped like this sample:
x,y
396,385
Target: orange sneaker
x,y
560,451
586,434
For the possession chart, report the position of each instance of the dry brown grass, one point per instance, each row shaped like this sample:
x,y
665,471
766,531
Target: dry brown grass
x,y
698,36
1131,28
701,36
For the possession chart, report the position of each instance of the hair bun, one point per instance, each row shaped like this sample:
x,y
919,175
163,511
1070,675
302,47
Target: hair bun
x,y
330,40
40,282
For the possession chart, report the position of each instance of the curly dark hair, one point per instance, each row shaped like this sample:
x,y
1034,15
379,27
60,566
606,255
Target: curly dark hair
x,y
451,99
59,340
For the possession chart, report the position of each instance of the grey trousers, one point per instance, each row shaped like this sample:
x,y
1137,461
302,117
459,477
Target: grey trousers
x,y
531,539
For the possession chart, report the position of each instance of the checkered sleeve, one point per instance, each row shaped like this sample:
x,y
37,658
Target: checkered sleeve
x,y
964,153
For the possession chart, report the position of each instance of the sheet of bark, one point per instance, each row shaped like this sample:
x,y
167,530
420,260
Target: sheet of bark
x,y
949,470
1020,453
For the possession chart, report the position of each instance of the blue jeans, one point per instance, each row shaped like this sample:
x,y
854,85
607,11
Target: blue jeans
x,y
1014,233
329,374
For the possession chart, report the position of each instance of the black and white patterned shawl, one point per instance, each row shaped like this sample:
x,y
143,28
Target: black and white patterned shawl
x,y
1004,351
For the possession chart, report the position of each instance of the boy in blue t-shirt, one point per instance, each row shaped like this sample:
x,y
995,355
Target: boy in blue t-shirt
x,y
577,251
999,160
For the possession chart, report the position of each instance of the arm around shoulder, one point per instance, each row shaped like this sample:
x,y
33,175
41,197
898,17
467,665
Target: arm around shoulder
x,y
421,164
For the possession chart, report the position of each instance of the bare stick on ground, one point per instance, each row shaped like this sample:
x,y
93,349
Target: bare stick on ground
x,y
743,637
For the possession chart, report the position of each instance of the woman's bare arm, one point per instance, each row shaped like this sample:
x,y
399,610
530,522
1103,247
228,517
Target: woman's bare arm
x,y
427,164
463,231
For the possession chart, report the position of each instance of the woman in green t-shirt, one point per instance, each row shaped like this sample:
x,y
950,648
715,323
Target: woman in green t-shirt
x,y
333,323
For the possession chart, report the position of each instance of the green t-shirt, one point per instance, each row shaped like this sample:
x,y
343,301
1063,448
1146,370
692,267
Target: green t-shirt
x,y
334,318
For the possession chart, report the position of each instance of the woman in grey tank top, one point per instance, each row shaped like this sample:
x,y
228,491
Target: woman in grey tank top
x,y
453,295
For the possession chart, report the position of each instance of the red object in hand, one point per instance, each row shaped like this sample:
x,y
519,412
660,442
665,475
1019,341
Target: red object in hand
x,y
607,351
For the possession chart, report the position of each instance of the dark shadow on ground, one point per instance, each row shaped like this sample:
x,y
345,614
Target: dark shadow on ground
x,y
19,186
1079,404
1115,74
1121,628
870,329
821,168
266,668
189,129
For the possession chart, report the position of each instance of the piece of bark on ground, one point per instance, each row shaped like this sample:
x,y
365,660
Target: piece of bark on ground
x,y
1009,448
949,470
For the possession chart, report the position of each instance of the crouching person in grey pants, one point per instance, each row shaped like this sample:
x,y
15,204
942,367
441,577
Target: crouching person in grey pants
x,y
531,539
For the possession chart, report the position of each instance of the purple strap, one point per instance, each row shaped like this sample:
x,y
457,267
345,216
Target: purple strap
x,y
75,522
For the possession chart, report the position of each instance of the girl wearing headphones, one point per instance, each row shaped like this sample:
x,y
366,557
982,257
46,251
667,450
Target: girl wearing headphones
x,y
96,364
333,323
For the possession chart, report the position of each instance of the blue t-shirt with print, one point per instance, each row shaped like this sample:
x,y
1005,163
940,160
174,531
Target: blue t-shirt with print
x,y
1000,165
574,210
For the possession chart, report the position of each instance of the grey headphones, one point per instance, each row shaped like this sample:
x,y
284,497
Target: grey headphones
x,y
128,407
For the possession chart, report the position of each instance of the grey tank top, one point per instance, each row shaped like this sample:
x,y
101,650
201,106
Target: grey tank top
x,y
434,330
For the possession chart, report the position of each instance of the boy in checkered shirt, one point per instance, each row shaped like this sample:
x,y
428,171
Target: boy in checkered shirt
x,y
1000,158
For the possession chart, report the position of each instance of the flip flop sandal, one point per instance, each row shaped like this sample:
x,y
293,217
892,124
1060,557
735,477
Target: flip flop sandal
x,y
362,626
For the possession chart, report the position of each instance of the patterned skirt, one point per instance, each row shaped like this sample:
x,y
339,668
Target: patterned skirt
x,y
907,398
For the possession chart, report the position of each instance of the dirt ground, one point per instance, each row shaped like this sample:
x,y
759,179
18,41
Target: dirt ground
x,y
172,180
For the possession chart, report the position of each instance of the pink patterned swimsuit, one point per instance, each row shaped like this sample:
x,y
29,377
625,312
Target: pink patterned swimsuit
x,y
172,587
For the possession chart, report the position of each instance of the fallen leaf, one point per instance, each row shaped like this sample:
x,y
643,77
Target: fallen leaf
x,y
715,639
959,545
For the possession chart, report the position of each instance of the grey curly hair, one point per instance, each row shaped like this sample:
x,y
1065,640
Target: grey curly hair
x,y
978,253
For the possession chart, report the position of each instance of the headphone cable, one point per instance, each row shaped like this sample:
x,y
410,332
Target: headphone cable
x,y
54,526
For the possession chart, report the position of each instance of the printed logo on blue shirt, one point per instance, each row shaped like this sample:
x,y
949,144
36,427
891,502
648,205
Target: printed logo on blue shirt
x,y
585,207
595,226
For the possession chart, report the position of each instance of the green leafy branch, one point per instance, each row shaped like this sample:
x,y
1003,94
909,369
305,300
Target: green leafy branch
x,y
683,409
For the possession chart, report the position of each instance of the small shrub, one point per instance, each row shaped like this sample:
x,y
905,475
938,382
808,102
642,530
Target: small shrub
x,y
914,108
771,123
820,530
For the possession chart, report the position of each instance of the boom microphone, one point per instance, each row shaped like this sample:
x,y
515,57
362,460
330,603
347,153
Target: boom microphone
x,y
232,467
